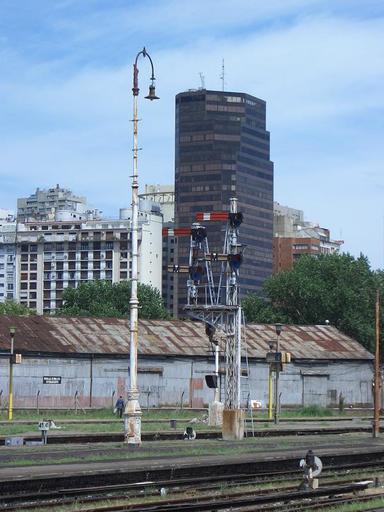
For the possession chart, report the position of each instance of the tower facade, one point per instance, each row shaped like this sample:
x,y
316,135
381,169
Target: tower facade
x,y
223,151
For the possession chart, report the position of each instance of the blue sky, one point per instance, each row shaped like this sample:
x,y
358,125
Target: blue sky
x,y
66,102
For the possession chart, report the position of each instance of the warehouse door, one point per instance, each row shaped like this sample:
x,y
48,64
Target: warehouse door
x,y
315,389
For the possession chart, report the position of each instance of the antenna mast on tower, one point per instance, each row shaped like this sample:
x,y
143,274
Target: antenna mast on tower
x,y
222,76
202,78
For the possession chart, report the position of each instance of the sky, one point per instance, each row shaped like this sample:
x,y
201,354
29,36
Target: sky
x,y
66,99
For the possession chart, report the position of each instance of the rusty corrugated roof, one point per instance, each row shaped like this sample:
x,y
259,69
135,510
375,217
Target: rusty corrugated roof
x,y
167,337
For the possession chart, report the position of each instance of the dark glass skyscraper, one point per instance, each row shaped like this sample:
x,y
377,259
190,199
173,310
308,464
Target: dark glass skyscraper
x,y
223,151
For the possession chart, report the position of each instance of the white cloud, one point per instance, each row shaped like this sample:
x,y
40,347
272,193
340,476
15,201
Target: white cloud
x,y
319,73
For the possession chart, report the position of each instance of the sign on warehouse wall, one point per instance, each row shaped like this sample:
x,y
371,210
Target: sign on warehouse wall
x,y
50,379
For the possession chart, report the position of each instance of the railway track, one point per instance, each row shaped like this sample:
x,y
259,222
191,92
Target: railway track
x,y
115,437
210,489
262,499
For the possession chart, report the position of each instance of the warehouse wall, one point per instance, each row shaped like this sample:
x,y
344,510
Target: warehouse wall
x,y
96,382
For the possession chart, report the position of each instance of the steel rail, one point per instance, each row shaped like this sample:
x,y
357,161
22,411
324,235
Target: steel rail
x,y
174,474
44,499
115,437
259,497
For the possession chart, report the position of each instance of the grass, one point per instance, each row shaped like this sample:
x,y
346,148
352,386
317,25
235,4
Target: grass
x,y
97,414
82,423
311,411
358,506
114,426
181,449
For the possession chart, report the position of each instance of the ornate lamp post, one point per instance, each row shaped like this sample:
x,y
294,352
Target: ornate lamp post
x,y
132,413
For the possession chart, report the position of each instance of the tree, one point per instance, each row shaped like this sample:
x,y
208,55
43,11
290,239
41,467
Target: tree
x,y
258,310
11,307
105,299
338,288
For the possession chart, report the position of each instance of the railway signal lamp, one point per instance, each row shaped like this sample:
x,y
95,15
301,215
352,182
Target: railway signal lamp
x,y
196,273
210,331
235,261
211,381
235,219
279,329
199,233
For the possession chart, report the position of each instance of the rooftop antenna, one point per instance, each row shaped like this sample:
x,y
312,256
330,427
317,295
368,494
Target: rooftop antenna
x,y
222,76
202,78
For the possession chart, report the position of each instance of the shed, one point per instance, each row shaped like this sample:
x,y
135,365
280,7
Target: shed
x,y
90,357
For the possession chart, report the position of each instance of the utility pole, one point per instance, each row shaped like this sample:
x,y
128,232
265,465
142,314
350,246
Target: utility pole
x,y
270,392
278,328
377,376
12,331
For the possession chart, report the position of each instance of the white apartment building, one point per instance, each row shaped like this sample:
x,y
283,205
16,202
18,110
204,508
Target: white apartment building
x,y
7,259
164,195
44,203
54,255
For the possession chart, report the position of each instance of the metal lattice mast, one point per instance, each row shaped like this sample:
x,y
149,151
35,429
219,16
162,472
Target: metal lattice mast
x,y
218,307
233,318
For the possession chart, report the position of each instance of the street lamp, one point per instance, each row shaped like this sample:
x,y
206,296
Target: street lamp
x,y
132,413
278,329
12,332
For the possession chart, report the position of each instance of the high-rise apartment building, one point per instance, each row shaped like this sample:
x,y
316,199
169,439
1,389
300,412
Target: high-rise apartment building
x,y
43,205
58,242
7,256
54,255
294,237
223,151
